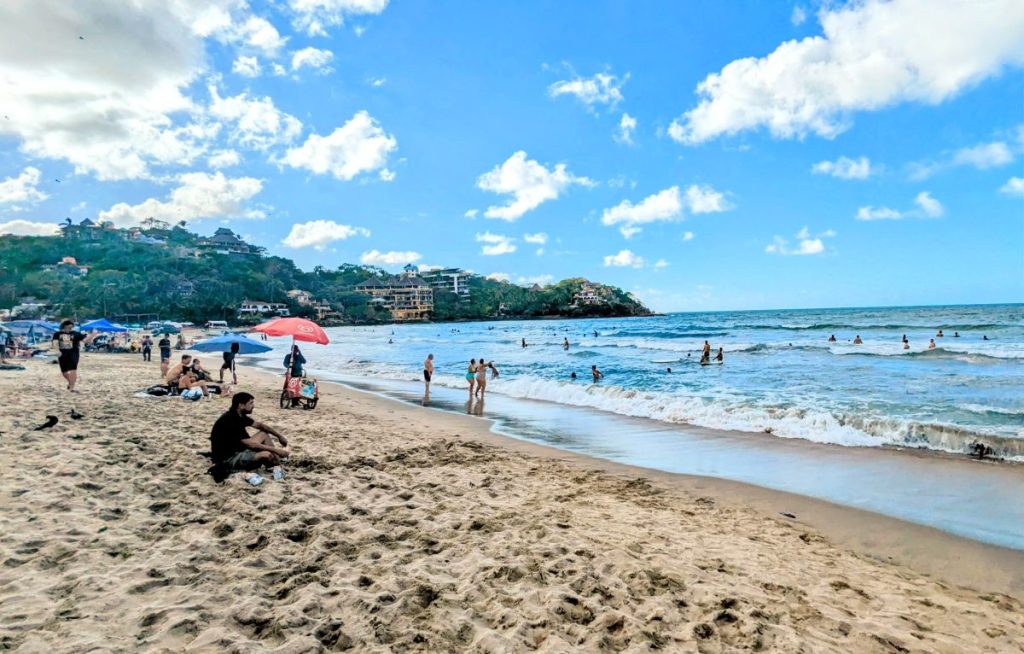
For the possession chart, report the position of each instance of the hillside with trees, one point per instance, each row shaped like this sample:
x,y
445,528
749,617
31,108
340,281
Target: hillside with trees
x,y
170,273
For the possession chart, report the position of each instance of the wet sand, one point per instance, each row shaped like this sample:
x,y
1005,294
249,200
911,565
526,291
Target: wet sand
x,y
400,529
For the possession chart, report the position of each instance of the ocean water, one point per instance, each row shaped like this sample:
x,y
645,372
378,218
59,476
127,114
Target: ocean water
x,y
781,377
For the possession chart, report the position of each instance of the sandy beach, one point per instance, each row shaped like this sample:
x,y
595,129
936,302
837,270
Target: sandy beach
x,y
402,529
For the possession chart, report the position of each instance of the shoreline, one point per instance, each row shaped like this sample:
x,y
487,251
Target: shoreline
x,y
953,558
397,529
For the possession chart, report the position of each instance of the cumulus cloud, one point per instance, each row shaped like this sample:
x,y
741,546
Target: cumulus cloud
x,y
257,122
314,16
198,196
1013,186
806,244
844,168
26,228
688,236
984,155
661,263
625,258
76,100
871,55
23,188
471,213
798,16
377,82
318,233
359,146
927,207
540,238
378,258
496,244
664,206
246,66
626,126
529,183
600,89
499,276
314,58
224,159
258,33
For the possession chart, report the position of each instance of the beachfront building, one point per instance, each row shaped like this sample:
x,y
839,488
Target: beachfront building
x,y
85,230
453,280
258,307
300,297
225,241
406,297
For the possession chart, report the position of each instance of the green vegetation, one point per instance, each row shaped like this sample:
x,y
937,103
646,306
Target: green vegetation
x,y
180,280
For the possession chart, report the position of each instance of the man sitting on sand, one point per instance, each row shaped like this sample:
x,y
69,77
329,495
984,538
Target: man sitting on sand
x,y
234,449
177,371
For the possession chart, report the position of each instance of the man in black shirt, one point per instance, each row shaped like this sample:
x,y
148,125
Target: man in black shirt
x,y
68,343
234,449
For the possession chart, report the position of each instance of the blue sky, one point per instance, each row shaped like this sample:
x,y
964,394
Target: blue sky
x,y
704,155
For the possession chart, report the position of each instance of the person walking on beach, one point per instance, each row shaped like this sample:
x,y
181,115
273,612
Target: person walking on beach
x,y
165,354
68,343
471,376
147,348
428,371
233,449
229,364
597,374
481,378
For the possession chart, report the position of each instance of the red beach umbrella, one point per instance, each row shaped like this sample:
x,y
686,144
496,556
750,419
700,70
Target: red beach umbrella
x,y
299,329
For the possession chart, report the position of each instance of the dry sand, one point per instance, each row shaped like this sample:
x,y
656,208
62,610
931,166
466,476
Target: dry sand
x,y
402,529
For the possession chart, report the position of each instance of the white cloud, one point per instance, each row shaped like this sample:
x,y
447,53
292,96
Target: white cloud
x,y
704,199
318,233
798,16
664,206
496,244
499,276
471,213
377,258
844,168
358,146
602,88
878,213
931,207
278,70
257,123
26,228
377,82
661,263
984,155
625,258
1013,186
114,103
199,196
806,244
247,66
540,238
224,159
313,15
259,33
626,126
688,236
22,188
872,55
927,207
315,58
529,182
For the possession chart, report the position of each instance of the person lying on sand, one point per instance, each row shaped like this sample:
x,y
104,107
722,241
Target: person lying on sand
x,y
234,449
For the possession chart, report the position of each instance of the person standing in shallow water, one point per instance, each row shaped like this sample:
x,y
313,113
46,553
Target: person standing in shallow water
x,y
428,371
705,355
471,377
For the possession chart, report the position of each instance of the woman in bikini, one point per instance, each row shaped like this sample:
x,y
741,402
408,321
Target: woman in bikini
x,y
481,378
471,376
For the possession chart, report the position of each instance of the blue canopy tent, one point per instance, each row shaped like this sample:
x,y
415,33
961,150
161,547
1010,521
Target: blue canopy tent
x,y
32,331
223,343
102,325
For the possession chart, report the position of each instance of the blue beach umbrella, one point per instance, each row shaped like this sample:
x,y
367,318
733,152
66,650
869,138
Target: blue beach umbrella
x,y
102,325
223,343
